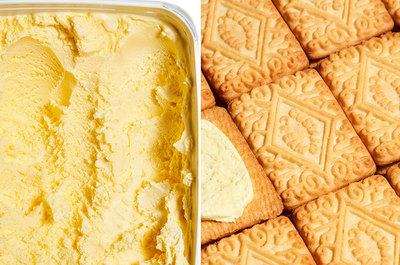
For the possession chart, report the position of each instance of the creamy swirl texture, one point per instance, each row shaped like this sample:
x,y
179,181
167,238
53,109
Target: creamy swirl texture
x,y
94,146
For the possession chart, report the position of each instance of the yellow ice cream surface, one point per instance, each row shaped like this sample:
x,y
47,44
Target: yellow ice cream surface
x,y
92,111
226,187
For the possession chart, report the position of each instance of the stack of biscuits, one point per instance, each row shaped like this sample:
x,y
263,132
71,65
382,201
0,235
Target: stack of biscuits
x,y
308,92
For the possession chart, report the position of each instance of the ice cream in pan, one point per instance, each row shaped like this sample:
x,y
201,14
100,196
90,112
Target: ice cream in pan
x,y
94,142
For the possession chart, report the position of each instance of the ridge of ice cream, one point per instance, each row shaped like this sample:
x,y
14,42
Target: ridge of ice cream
x,y
94,147
226,187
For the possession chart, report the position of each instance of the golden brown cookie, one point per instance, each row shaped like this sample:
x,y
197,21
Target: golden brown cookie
x,y
365,79
358,224
246,43
266,202
207,97
273,242
393,6
393,175
326,26
301,137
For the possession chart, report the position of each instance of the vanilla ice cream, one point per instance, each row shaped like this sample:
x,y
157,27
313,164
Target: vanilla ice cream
x,y
94,145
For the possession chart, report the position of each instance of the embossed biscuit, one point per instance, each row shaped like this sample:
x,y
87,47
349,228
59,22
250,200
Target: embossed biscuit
x,y
365,79
273,242
359,224
393,175
246,43
393,6
301,137
207,97
326,26
266,202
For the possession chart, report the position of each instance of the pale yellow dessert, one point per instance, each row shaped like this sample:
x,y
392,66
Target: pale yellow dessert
x,y
94,145
226,187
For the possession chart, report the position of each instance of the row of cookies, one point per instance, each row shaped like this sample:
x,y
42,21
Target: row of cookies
x,y
248,43
358,224
310,148
349,79
338,232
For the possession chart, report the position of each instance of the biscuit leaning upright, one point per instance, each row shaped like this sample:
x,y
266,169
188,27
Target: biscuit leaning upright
x,y
207,97
323,27
266,202
301,137
365,80
358,224
273,242
245,44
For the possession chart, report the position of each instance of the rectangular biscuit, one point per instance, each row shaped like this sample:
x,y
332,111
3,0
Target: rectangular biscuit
x,y
245,44
365,80
393,6
301,137
207,97
358,224
273,242
266,202
324,27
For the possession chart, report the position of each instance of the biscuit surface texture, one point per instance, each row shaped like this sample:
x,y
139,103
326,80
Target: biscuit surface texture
x,y
326,26
246,43
301,137
356,225
365,80
393,6
266,203
274,242
207,97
